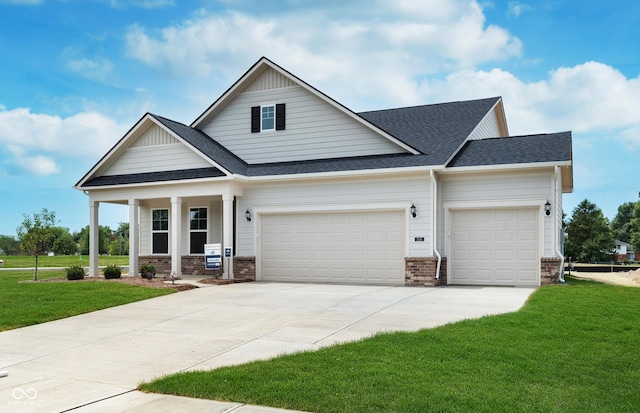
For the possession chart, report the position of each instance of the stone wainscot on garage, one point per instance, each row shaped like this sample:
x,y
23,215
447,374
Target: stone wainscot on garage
x,y
297,187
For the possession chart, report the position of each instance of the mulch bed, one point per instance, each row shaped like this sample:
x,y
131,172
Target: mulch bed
x,y
155,283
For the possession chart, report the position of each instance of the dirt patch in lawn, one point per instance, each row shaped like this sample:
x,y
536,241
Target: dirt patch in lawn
x,y
629,278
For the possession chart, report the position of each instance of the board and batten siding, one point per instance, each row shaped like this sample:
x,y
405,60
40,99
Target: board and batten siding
x,y
155,151
338,194
497,187
314,129
487,128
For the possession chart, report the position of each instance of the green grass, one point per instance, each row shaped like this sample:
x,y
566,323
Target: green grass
x,y
24,304
62,261
572,348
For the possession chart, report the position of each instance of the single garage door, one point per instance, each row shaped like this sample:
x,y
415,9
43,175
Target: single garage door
x,y
495,247
346,247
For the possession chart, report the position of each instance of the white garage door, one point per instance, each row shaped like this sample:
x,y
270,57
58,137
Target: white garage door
x,y
495,247
353,247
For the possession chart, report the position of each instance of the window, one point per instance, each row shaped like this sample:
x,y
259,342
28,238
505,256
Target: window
x,y
160,231
197,230
268,117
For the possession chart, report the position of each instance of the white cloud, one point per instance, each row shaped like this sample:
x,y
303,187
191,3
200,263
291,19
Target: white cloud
x,y
516,8
390,49
38,165
97,69
587,98
32,141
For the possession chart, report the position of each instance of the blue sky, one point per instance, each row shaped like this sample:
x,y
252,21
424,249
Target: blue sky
x,y
75,75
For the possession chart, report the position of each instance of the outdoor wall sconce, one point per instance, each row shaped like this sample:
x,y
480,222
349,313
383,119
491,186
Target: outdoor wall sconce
x,y
247,215
547,208
413,210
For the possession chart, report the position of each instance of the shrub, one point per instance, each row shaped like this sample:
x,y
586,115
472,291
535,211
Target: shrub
x,y
148,271
75,272
112,271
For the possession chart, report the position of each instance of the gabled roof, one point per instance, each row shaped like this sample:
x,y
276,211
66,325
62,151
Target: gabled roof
x,y
197,140
436,130
205,145
148,177
263,64
554,147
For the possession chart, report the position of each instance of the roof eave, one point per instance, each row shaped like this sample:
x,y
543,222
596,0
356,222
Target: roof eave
x,y
507,167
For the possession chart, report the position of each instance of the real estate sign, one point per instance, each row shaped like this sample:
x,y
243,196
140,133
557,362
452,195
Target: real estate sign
x,y
212,256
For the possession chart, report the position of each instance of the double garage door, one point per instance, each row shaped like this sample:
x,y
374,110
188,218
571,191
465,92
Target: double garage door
x,y
495,247
341,247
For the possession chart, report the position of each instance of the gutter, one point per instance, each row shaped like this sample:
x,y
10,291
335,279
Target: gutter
x,y
434,221
558,253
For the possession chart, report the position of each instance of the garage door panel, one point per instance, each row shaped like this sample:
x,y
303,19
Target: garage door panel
x,y
503,250
354,247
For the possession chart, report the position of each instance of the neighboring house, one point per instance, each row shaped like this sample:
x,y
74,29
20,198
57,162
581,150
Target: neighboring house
x,y
300,188
624,251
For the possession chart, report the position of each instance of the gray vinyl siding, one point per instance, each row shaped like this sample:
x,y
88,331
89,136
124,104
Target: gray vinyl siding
x,y
156,150
487,128
365,193
314,130
214,223
496,187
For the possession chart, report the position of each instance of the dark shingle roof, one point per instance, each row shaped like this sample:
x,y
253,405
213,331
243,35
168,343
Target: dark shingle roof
x,y
554,147
206,145
155,177
435,130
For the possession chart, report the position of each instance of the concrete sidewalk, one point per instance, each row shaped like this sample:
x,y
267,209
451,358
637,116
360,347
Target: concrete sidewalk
x,y
93,362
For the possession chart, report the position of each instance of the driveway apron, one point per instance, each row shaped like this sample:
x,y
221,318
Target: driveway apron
x,y
93,362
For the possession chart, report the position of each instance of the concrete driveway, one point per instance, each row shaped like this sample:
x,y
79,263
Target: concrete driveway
x,y
93,362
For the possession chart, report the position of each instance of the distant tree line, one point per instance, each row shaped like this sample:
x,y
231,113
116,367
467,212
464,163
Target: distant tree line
x,y
63,242
592,238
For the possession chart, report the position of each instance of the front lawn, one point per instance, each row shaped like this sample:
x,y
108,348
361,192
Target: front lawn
x,y
23,304
572,348
61,261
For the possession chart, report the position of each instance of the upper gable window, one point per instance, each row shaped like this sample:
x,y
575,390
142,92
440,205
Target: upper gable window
x,y
268,117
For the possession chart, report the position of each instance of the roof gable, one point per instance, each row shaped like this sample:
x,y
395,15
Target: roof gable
x,y
148,148
264,75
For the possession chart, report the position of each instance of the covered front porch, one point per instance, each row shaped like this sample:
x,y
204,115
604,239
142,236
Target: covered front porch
x,y
170,231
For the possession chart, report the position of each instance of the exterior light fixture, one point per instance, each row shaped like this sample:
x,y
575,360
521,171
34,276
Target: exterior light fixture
x,y
247,215
413,210
547,208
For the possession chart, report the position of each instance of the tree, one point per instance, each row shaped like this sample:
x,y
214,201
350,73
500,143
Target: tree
x,y
621,224
590,236
36,235
9,245
635,228
105,236
64,243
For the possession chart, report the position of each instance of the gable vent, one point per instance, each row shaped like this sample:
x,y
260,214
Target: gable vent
x,y
154,136
269,79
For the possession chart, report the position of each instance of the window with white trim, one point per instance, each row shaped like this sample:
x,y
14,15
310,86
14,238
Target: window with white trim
x,y
160,231
268,118
265,118
197,230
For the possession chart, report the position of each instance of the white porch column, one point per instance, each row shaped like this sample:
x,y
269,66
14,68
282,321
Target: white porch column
x,y
134,236
176,235
94,238
227,234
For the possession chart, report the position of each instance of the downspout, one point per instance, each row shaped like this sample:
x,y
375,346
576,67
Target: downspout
x,y
558,252
434,221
